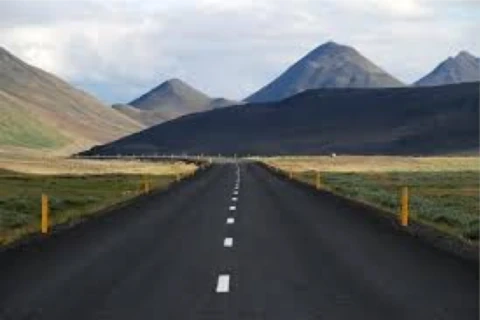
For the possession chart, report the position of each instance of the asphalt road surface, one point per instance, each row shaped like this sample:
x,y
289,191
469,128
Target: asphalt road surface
x,y
236,243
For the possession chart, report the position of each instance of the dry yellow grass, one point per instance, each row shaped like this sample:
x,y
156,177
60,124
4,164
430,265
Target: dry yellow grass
x,y
63,166
374,163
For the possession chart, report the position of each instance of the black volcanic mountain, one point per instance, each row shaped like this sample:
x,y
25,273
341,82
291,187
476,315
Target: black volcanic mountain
x,y
462,68
331,65
408,120
169,100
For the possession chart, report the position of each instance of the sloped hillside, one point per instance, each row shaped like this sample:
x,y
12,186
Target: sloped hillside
x,y
40,111
464,67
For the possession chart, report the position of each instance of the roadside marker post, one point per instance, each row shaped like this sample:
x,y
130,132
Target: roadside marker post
x,y
145,184
290,174
178,177
404,210
44,220
317,180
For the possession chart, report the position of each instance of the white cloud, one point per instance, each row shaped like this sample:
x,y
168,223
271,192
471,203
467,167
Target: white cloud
x,y
120,48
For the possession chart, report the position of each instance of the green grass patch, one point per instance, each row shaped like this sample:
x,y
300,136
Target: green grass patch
x,y
70,197
20,129
447,200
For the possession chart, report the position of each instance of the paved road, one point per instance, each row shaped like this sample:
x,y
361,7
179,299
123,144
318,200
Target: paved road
x,y
276,252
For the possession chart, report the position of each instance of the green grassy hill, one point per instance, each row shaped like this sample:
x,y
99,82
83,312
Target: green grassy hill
x,y
19,128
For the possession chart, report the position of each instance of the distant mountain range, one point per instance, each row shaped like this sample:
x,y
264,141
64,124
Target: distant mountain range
x,y
169,100
41,112
407,120
462,68
331,65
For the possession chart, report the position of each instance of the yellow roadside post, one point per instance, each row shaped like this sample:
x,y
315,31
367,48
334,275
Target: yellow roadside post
x,y
290,174
404,210
178,177
146,186
317,180
44,220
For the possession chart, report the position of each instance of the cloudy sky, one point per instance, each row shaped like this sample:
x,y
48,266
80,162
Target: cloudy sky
x,y
118,49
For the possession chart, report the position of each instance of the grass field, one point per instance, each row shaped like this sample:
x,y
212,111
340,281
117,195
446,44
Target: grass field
x,y
374,163
62,166
444,192
76,188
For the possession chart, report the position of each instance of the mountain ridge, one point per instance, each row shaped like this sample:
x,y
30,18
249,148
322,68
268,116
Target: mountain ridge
x,y
42,111
464,67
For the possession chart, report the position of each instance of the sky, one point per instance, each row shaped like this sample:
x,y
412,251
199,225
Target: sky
x,y
119,49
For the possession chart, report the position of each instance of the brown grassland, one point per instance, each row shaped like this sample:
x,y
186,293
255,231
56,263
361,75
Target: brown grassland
x,y
374,163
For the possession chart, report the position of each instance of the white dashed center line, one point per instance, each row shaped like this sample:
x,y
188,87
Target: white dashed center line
x,y
223,284
228,242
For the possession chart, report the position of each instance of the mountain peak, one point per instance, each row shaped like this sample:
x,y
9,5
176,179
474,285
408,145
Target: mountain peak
x,y
330,47
464,67
173,92
175,82
465,55
171,99
330,44
330,65
179,86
